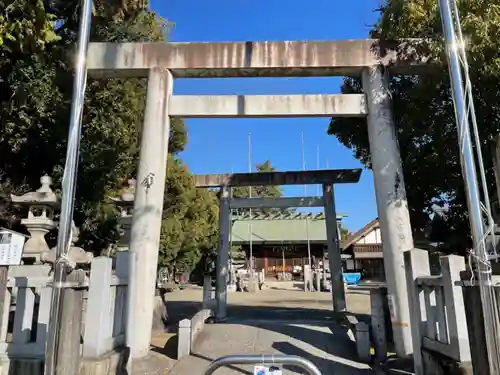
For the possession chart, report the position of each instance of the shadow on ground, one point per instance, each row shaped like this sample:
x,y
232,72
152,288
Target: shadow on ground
x,y
178,310
296,287
329,348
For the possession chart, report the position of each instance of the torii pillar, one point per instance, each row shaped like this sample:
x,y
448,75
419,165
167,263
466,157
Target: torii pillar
x,y
222,254
148,209
392,206
334,251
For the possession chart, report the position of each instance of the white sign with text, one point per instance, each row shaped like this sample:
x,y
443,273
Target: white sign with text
x,y
268,370
11,248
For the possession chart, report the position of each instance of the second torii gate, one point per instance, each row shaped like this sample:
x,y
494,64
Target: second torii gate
x,y
326,178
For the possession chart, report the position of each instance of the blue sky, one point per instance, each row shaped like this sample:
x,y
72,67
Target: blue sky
x,y
221,145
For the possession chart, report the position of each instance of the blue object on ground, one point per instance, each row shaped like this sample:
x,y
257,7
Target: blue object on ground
x,y
352,278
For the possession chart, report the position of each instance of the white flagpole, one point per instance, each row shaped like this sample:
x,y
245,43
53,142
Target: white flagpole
x,y
317,167
305,194
250,234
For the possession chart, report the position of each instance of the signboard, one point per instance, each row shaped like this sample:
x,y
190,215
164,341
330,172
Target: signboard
x,y
268,370
11,247
279,269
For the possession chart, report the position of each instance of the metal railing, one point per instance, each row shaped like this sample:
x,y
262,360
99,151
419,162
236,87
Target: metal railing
x,y
279,359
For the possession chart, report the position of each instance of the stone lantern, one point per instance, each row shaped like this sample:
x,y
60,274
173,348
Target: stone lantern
x,y
126,204
41,205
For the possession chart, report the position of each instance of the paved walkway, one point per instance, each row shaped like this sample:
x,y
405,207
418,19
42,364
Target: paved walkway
x,y
323,343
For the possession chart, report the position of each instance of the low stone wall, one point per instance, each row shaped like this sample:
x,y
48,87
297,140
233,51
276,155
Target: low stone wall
x,y
104,365
21,366
189,329
109,364
359,332
438,364
116,363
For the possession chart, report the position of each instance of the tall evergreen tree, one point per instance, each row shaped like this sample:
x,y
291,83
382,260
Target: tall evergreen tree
x,y
259,191
423,107
36,39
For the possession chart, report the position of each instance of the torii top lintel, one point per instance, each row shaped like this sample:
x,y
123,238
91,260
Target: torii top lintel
x,y
331,176
253,59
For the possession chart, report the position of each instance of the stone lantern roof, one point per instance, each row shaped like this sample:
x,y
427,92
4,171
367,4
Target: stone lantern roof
x,y
42,196
126,199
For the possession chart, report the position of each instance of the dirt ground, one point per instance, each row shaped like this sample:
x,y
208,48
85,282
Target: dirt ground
x,y
281,301
278,301
278,295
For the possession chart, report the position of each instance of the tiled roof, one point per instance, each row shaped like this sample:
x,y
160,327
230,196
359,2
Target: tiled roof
x,y
360,233
280,228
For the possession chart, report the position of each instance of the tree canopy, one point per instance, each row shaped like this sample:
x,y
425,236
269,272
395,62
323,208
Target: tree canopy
x,y
36,39
423,107
344,232
190,224
259,191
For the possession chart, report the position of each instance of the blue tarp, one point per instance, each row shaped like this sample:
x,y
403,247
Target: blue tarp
x,y
352,278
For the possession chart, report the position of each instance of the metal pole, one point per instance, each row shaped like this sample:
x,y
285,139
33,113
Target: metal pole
x,y
283,262
327,166
482,173
305,194
262,359
317,167
231,278
69,184
465,144
250,210
463,104
231,270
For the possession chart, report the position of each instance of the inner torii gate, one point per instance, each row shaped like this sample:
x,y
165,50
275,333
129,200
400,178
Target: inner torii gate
x,y
326,178
160,63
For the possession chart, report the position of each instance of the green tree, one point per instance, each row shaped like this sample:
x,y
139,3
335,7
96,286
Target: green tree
x,y
190,220
259,191
26,26
36,89
423,107
36,39
344,232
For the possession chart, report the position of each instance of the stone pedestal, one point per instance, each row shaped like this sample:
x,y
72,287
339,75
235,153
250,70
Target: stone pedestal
x,y
76,255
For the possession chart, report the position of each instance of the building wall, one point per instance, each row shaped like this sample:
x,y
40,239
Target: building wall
x,y
270,258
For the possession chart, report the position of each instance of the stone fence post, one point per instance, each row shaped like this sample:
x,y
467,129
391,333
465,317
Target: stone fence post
x,y
98,319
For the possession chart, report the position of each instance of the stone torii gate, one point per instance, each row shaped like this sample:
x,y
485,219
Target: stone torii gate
x,y
162,62
327,178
